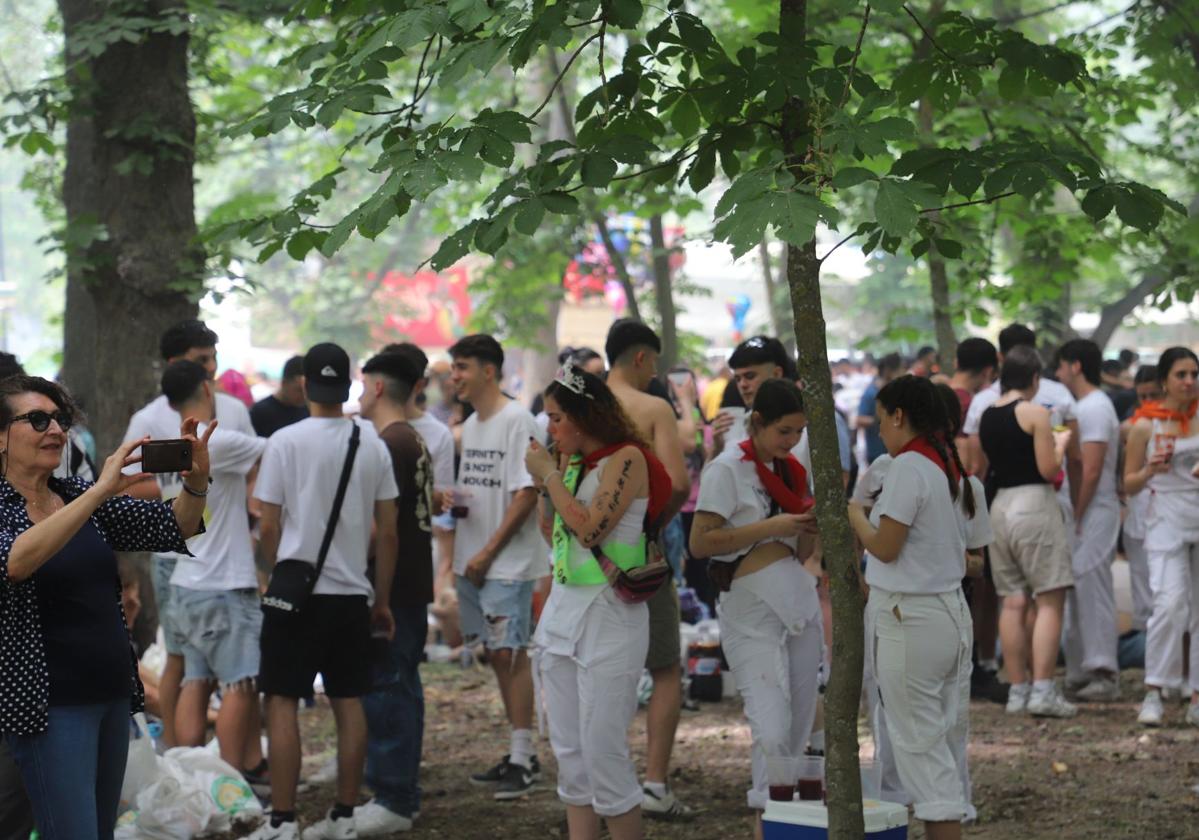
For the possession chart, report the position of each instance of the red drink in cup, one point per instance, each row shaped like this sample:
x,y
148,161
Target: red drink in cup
x,y
811,790
1163,447
811,779
782,793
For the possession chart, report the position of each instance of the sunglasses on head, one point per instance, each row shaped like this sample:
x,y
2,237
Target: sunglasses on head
x,y
40,420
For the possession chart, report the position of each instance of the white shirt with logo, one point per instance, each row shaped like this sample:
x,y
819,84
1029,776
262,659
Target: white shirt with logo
x,y
491,470
300,471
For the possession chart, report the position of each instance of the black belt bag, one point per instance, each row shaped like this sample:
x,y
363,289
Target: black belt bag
x,y
292,581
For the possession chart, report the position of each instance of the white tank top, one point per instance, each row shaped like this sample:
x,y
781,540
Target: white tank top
x,y
1184,459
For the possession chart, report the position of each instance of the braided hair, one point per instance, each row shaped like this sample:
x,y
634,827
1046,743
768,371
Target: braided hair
x,y
927,412
953,428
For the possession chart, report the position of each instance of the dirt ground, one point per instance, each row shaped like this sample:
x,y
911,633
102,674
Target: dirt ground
x,y
1097,776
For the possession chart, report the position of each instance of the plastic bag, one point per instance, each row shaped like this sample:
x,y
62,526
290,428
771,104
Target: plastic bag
x,y
141,768
195,793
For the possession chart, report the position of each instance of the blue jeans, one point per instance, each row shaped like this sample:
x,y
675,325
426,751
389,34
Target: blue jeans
x,y
395,715
73,771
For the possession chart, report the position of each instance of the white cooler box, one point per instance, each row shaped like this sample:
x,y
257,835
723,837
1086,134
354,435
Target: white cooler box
x,y
809,821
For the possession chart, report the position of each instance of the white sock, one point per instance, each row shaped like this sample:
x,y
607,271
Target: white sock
x,y
521,748
1042,687
1020,688
816,741
989,664
658,789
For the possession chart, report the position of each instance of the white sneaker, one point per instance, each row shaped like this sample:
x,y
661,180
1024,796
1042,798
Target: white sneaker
x,y
1017,699
1151,713
1192,717
331,829
1050,704
666,807
373,820
286,831
1100,690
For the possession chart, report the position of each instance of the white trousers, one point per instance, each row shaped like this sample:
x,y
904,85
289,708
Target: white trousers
x,y
591,699
920,645
1138,579
1174,581
777,672
1091,634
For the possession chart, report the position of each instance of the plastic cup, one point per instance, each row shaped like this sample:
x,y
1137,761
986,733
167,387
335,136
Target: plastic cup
x,y
872,778
780,776
811,778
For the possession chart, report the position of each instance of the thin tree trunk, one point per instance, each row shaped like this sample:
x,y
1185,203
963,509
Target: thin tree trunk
x,y
768,280
803,279
618,263
663,295
130,150
938,273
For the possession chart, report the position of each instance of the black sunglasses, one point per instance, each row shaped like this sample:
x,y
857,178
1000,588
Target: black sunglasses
x,y
40,420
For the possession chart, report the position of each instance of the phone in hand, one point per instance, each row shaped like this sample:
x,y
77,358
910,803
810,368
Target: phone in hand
x,y
679,378
166,456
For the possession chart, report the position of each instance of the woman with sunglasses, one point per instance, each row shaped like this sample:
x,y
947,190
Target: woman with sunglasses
x,y
68,676
600,491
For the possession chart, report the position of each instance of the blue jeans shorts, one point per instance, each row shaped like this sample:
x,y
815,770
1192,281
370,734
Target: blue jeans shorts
x,y
217,632
500,614
162,566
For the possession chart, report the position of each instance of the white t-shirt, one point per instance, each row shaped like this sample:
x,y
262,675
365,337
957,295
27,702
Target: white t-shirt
x,y
730,488
1097,423
224,554
161,422
1052,394
870,483
933,557
439,440
976,532
300,469
491,470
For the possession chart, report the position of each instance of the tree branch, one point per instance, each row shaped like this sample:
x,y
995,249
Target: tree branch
x,y
558,81
993,198
1016,18
857,51
835,247
929,35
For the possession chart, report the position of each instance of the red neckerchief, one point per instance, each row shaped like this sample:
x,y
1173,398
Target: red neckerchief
x,y
1156,410
660,485
791,501
921,444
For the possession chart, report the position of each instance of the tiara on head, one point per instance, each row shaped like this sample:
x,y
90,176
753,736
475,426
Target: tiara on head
x,y
569,377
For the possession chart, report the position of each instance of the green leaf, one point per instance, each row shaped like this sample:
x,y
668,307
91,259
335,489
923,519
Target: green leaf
x,y
598,170
889,6
1011,82
560,202
1138,210
851,176
702,169
1028,179
894,210
967,177
684,116
623,13
528,218
913,81
949,248
919,248
454,247
803,211
36,141
340,233
303,242
1098,203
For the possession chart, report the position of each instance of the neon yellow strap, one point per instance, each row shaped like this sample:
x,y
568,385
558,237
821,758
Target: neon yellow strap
x,y
587,572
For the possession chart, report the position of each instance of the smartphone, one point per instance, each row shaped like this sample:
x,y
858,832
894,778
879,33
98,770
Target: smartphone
x,y
166,456
679,378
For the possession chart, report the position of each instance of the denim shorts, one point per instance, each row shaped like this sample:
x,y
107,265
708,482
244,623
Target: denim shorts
x,y
218,633
162,566
500,614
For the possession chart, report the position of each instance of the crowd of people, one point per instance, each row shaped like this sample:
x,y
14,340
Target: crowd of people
x,y
309,546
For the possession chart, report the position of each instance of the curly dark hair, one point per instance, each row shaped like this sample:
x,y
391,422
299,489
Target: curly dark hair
x,y
21,384
596,412
927,412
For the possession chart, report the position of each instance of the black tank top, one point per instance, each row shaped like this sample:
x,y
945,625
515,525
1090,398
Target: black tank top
x,y
1009,448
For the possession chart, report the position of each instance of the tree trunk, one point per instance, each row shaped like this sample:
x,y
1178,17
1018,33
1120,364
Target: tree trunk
x,y
938,272
618,263
663,295
768,280
803,279
130,149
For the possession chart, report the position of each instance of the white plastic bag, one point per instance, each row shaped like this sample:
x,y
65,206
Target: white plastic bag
x,y
141,768
196,793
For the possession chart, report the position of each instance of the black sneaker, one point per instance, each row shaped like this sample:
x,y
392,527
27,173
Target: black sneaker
x,y
984,685
496,774
518,780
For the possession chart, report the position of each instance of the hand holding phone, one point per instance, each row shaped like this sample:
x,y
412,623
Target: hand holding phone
x,y
166,456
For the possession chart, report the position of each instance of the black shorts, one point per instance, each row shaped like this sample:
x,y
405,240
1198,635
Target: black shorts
x,y
330,637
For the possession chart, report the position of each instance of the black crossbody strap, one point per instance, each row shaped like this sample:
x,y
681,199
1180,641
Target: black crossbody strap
x,y
338,499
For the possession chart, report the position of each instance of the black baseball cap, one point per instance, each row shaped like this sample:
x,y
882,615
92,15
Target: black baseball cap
x,y
759,350
327,374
